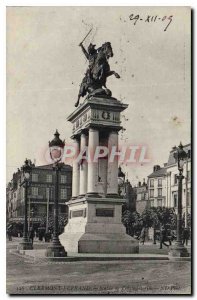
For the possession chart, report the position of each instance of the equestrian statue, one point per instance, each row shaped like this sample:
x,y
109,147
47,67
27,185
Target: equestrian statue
x,y
94,81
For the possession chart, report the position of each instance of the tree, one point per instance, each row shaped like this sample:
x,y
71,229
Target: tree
x,y
126,220
136,224
166,215
149,217
63,219
158,216
132,221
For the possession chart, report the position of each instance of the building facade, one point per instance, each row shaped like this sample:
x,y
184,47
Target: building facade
x,y
142,197
162,185
41,193
157,187
130,196
172,181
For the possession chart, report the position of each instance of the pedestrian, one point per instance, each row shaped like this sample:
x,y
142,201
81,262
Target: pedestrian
x,y
164,237
154,236
142,236
47,236
173,236
32,235
9,232
40,235
169,237
185,236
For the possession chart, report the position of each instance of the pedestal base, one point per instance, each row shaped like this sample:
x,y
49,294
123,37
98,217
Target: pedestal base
x,y
178,251
55,251
107,243
95,227
25,245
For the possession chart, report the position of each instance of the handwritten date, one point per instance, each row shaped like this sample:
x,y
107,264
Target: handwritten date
x,y
152,19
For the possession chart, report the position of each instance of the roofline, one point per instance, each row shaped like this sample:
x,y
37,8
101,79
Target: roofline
x,y
149,176
183,147
50,165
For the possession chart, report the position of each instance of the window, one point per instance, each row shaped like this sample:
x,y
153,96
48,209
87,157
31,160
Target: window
x,y
63,179
159,202
139,197
175,179
160,182
48,193
159,192
69,192
175,200
151,203
34,191
151,193
151,182
63,193
34,177
48,178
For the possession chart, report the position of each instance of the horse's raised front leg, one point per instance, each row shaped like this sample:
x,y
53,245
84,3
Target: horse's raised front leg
x,y
113,73
77,103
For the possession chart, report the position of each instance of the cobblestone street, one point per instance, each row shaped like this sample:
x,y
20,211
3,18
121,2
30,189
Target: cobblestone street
x,y
101,277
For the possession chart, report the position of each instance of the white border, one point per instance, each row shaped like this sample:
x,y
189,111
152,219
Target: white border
x,y
97,3
3,4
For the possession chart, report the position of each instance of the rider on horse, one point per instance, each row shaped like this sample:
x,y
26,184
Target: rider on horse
x,y
98,69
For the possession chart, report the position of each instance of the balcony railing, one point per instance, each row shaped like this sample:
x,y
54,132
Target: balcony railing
x,y
35,196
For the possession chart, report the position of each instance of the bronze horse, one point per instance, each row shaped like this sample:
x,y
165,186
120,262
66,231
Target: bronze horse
x,y
97,72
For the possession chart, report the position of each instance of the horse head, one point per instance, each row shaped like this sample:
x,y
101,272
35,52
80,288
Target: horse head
x,y
107,50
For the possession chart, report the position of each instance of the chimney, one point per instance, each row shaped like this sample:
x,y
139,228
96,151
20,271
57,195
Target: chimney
x,y
165,164
144,183
156,168
139,183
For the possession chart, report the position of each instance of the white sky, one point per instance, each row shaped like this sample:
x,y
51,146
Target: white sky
x,y
45,67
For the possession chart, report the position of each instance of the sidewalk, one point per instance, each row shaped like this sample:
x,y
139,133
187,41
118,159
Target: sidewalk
x,y
37,244
148,251
39,255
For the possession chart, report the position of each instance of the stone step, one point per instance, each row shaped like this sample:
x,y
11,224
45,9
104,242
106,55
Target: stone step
x,y
39,255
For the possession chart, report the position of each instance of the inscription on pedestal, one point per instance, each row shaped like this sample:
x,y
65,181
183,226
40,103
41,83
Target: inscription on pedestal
x,y
104,212
77,213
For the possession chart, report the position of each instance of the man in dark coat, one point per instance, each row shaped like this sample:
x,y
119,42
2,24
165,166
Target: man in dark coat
x,y
32,235
185,236
164,237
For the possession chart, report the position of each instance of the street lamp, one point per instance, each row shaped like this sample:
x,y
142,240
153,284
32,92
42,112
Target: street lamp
x,y
56,152
32,211
26,169
179,250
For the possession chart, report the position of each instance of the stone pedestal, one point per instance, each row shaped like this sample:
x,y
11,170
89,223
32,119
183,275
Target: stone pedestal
x,y
25,245
55,251
95,226
178,251
95,211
